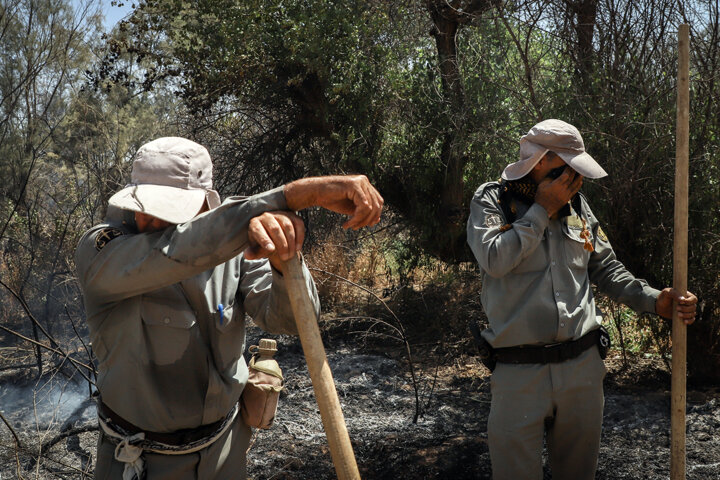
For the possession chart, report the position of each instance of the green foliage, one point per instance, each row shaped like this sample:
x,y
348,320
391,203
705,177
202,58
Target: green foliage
x,y
287,89
280,89
65,149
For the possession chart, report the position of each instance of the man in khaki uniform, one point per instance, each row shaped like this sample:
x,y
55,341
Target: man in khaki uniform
x,y
166,287
539,248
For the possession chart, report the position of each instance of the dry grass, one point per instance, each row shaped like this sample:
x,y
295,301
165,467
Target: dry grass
x,y
360,278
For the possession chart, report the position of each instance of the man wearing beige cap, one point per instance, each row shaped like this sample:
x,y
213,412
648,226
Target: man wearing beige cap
x,y
167,280
539,248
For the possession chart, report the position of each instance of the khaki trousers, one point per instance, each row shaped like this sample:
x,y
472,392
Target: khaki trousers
x,y
563,401
224,459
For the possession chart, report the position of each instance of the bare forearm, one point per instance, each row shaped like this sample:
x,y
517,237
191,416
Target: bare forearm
x,y
350,195
303,193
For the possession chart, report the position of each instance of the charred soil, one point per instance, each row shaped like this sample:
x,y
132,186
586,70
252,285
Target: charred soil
x,y
449,440
57,431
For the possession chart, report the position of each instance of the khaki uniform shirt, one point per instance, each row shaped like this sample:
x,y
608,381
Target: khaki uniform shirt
x,y
536,277
167,360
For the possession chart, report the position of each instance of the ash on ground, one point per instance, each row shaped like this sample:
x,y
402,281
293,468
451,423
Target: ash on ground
x,y
379,401
450,439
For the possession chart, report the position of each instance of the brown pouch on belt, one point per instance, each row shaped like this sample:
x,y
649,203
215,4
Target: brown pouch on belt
x,y
259,400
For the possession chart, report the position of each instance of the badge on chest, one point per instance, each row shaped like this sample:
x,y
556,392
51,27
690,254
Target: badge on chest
x,y
574,223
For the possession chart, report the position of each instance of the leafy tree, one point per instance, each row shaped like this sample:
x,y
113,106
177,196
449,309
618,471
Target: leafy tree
x,y
43,49
64,149
283,89
430,98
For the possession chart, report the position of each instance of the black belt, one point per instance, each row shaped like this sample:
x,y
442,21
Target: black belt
x,y
555,353
176,438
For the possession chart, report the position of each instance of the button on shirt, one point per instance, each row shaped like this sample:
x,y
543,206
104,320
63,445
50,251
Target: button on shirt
x,y
168,357
536,276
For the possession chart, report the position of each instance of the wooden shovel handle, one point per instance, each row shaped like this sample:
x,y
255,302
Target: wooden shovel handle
x,y
680,248
332,417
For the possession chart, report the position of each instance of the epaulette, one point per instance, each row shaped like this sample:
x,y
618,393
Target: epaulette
x,y
485,187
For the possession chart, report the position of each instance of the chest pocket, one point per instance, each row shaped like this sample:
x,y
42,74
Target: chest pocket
x,y
576,255
159,311
228,321
168,323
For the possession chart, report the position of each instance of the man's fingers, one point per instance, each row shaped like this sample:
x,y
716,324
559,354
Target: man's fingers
x,y
282,232
361,204
371,209
576,184
686,306
566,176
299,229
261,246
277,234
368,205
687,316
687,299
571,180
565,186
378,203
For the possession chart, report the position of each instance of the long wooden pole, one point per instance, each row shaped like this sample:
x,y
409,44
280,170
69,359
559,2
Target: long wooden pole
x,y
680,248
323,384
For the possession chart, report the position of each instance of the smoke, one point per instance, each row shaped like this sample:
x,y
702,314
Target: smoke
x,y
45,404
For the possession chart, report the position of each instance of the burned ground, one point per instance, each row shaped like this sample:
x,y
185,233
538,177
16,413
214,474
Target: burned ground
x,y
378,400
450,439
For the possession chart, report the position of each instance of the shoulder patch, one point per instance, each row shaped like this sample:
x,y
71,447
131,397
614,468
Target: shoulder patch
x,y
494,220
105,235
602,234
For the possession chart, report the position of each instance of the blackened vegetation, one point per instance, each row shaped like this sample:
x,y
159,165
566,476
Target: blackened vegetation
x,y
56,430
450,440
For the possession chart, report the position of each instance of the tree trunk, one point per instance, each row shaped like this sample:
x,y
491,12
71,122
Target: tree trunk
x,y
583,14
450,211
448,17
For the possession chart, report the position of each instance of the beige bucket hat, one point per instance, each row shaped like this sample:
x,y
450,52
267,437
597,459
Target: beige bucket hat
x,y
559,137
171,180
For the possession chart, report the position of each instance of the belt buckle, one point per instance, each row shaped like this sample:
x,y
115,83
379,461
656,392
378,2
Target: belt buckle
x,y
552,354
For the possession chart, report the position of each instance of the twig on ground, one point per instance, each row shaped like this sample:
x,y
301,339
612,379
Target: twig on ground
x,y
399,328
14,367
76,363
47,445
51,459
18,446
284,467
